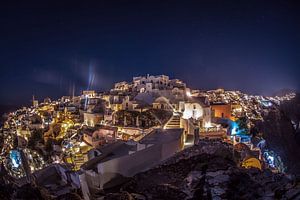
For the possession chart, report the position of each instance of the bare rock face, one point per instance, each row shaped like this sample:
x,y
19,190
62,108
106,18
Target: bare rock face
x,y
207,171
48,183
281,135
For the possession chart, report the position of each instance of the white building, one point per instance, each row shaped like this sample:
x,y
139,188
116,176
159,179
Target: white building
x,y
155,83
126,159
91,119
121,86
195,109
88,94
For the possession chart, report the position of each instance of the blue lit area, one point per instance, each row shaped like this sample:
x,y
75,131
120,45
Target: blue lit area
x,y
15,157
274,161
261,144
266,103
245,138
67,144
234,128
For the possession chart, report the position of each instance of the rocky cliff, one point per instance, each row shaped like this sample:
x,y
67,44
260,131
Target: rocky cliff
x,y
281,131
206,171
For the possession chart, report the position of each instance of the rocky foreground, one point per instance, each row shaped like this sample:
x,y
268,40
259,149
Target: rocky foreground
x,y
207,171
281,130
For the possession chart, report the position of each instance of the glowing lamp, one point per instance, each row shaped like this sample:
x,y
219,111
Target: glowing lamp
x,y
188,93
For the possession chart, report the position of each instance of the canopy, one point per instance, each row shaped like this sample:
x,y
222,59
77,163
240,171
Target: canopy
x,y
252,162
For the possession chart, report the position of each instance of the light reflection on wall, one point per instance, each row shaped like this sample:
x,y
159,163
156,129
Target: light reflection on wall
x,y
192,110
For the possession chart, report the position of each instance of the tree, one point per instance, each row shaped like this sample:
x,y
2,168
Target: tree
x,y
254,131
48,145
1,140
242,126
36,136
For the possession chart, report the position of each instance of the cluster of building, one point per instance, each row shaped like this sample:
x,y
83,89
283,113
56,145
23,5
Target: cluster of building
x,y
115,134
235,104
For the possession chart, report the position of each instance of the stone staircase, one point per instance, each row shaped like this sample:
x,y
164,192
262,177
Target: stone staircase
x,y
174,122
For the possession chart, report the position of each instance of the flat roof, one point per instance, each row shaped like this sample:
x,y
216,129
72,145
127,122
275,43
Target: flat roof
x,y
159,136
108,152
220,104
122,148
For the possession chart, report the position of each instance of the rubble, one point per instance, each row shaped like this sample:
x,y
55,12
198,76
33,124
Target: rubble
x,y
57,179
52,182
207,171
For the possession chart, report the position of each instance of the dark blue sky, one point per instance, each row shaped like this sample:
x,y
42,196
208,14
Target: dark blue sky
x,y
47,47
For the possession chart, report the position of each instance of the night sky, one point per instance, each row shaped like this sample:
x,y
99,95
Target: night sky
x,y
47,48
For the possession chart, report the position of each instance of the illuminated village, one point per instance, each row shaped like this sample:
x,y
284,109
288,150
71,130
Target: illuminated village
x,y
89,142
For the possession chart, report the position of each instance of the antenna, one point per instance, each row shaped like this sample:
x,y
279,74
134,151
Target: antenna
x,y
33,100
73,92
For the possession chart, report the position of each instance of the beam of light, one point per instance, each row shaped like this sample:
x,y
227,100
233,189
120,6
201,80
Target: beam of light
x,y
91,78
73,90
85,102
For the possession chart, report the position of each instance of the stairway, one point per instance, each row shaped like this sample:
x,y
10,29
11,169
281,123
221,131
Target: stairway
x,y
78,161
174,122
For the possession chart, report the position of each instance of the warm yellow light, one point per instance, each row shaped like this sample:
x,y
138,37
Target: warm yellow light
x,y
207,125
82,144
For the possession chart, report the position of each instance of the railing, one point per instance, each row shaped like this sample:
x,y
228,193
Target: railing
x,y
212,129
171,118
